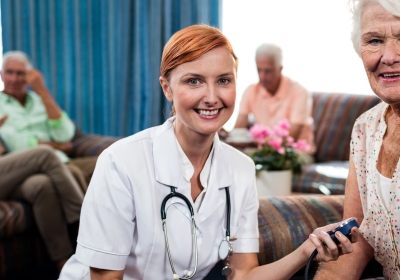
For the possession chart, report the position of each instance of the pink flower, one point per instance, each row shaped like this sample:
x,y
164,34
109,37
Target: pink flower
x,y
260,132
289,141
301,145
282,128
276,143
284,124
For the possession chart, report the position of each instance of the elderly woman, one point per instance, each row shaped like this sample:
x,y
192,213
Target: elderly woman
x,y
373,185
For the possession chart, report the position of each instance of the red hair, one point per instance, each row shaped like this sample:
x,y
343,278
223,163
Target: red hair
x,y
190,43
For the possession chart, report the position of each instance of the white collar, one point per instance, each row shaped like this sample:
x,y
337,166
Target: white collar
x,y
167,160
188,170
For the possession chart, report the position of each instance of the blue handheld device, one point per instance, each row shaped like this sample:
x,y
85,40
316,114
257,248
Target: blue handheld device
x,y
344,227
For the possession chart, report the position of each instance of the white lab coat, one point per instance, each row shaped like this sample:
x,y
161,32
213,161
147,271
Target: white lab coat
x,y
121,224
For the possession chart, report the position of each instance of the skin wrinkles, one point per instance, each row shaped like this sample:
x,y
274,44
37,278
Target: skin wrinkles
x,y
380,52
390,152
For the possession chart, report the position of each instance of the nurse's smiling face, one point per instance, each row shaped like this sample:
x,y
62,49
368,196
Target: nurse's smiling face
x,y
203,92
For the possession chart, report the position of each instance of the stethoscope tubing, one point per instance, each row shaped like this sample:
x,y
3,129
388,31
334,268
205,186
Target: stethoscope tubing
x,y
195,247
228,214
171,195
194,232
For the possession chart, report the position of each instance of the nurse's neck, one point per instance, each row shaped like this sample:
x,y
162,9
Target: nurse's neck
x,y
196,146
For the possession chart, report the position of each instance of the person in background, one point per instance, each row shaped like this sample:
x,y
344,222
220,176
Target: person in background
x,y
39,177
34,117
373,186
276,97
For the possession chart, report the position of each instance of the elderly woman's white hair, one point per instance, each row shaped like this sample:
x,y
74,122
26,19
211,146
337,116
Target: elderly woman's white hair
x,y
357,8
270,50
18,56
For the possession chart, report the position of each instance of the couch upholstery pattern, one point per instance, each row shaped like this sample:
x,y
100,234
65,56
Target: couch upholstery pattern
x,y
286,222
334,116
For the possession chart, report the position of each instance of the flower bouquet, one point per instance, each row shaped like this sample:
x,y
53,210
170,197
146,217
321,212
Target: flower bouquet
x,y
276,149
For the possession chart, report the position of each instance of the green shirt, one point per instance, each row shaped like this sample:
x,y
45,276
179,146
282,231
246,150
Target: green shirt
x,y
29,124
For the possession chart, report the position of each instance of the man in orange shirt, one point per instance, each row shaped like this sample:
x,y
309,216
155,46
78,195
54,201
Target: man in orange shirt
x,y
276,97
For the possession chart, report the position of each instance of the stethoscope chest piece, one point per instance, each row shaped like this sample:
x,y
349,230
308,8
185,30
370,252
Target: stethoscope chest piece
x,y
226,271
225,249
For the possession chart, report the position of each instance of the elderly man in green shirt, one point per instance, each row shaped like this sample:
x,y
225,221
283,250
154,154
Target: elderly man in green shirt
x,y
38,177
33,117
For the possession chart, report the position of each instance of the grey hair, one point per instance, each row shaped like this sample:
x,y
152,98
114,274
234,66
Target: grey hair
x,y
357,7
18,56
270,50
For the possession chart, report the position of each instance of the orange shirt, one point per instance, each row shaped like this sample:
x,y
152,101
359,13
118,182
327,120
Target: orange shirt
x,y
292,102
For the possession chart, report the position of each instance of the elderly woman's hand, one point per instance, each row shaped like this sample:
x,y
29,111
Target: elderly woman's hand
x,y
327,249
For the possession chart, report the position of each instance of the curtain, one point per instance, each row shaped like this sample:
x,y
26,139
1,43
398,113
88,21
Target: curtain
x,y
100,58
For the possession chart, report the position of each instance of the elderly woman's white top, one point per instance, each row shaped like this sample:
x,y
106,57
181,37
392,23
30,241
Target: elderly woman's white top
x,y
381,224
121,224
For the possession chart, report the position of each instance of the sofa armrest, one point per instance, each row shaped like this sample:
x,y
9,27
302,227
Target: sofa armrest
x,y
86,145
285,222
15,217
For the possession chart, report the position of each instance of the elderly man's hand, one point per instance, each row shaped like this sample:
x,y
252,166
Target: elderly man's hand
x,y
35,80
3,120
64,147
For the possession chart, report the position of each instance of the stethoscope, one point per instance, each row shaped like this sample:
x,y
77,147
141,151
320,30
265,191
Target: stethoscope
x,y
225,249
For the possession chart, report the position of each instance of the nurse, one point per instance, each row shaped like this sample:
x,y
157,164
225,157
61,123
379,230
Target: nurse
x,y
121,232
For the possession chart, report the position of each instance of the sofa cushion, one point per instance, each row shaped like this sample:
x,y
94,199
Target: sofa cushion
x,y
326,177
285,222
334,116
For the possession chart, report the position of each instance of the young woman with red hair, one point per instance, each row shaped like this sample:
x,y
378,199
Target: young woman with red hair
x,y
181,169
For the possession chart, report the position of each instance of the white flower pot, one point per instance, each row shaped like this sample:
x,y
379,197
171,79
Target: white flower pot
x,y
274,183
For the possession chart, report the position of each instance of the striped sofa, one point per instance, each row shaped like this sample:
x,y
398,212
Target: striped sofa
x,y
334,116
22,251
